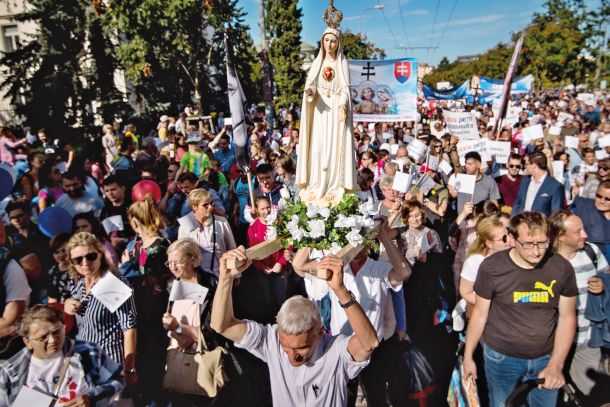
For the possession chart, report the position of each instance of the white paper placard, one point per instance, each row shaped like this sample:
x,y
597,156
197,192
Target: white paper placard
x,y
466,146
432,162
604,141
532,133
407,139
394,149
228,121
285,141
401,182
111,291
426,184
572,142
399,163
499,149
113,224
601,154
463,125
188,221
445,167
555,130
183,290
387,135
465,183
593,137
424,243
28,397
564,117
558,167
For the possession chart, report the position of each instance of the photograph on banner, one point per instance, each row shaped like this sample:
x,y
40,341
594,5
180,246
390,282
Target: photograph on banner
x,y
461,124
457,92
492,88
384,91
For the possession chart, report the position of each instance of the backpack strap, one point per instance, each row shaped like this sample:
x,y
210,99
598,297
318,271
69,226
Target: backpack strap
x,y
591,253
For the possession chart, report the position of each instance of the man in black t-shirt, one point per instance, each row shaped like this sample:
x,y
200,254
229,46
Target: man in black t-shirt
x,y
525,310
116,204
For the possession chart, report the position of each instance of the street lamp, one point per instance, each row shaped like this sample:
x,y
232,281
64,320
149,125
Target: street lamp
x,y
375,7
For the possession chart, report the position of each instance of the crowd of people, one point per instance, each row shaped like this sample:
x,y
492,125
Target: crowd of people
x,y
517,270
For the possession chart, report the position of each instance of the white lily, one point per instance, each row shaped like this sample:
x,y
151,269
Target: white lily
x,y
354,238
317,228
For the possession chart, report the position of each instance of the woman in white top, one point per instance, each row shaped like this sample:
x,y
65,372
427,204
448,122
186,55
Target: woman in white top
x,y
492,236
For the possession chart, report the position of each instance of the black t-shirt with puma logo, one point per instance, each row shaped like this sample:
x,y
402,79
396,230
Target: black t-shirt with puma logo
x,y
524,303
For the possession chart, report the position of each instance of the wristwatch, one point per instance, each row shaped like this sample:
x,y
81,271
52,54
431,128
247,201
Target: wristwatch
x,y
351,301
178,330
131,371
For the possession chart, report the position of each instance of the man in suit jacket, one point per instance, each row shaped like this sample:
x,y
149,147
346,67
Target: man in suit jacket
x,y
539,191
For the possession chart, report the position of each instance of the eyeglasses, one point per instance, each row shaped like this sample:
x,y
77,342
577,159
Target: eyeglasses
x,y
175,264
531,245
91,257
416,216
55,334
604,198
518,166
603,168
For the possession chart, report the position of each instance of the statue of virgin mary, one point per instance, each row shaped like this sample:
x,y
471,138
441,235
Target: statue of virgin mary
x,y
326,165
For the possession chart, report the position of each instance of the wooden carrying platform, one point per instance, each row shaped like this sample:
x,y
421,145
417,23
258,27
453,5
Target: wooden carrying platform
x,y
267,248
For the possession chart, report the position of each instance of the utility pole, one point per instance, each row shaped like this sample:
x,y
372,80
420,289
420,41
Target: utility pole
x,y
267,71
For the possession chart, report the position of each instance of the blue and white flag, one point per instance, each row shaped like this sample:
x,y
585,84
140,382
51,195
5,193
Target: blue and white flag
x,y
492,88
457,92
383,91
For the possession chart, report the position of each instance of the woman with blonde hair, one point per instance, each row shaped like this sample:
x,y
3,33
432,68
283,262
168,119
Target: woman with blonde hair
x,y
115,331
149,256
491,237
186,317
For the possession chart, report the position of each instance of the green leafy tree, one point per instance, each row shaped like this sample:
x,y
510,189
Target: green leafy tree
x,y
356,46
174,55
283,25
67,66
443,64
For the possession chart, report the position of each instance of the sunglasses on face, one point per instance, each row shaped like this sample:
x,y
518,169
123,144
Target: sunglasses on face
x,y
91,257
504,239
604,198
518,166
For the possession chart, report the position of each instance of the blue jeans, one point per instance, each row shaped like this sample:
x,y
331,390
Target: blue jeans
x,y
504,373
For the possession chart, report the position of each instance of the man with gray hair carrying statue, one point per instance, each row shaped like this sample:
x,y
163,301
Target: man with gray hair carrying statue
x,y
307,367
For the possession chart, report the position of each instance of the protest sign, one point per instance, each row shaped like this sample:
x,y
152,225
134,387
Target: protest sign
x,y
399,163
601,154
113,224
394,148
465,183
402,182
445,167
589,98
555,130
432,162
571,142
183,290
29,397
532,133
426,184
564,117
424,243
604,141
463,125
558,167
499,149
111,292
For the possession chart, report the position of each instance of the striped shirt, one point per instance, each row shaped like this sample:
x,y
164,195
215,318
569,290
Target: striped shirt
x,y
196,163
96,324
584,269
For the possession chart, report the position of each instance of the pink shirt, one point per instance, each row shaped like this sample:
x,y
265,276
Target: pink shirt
x,y
7,155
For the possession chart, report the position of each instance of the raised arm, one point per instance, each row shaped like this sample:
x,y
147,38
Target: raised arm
x,y
401,270
223,318
364,341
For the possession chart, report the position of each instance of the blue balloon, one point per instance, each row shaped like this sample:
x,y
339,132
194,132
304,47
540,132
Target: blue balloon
x,y
55,220
6,183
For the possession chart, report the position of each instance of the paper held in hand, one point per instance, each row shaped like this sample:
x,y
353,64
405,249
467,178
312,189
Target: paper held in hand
x,y
28,397
604,141
558,167
113,224
402,181
465,183
183,290
424,243
445,167
572,142
532,133
111,291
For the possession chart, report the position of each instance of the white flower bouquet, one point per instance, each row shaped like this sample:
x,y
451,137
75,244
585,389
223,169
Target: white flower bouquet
x,y
325,228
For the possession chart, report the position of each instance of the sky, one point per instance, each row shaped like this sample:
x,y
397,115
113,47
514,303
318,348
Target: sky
x,y
474,27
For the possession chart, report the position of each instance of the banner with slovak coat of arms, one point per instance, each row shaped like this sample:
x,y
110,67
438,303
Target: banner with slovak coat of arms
x,y
383,91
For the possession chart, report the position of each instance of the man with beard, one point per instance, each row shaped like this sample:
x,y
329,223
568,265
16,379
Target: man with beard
x,y
76,200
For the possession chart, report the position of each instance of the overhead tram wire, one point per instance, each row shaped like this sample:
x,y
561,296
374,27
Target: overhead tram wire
x,y
388,24
445,29
402,19
438,3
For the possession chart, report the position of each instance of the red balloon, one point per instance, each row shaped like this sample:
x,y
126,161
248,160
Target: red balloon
x,y
144,188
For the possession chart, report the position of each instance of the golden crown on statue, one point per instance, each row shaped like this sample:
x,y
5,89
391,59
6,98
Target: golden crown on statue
x,y
332,16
